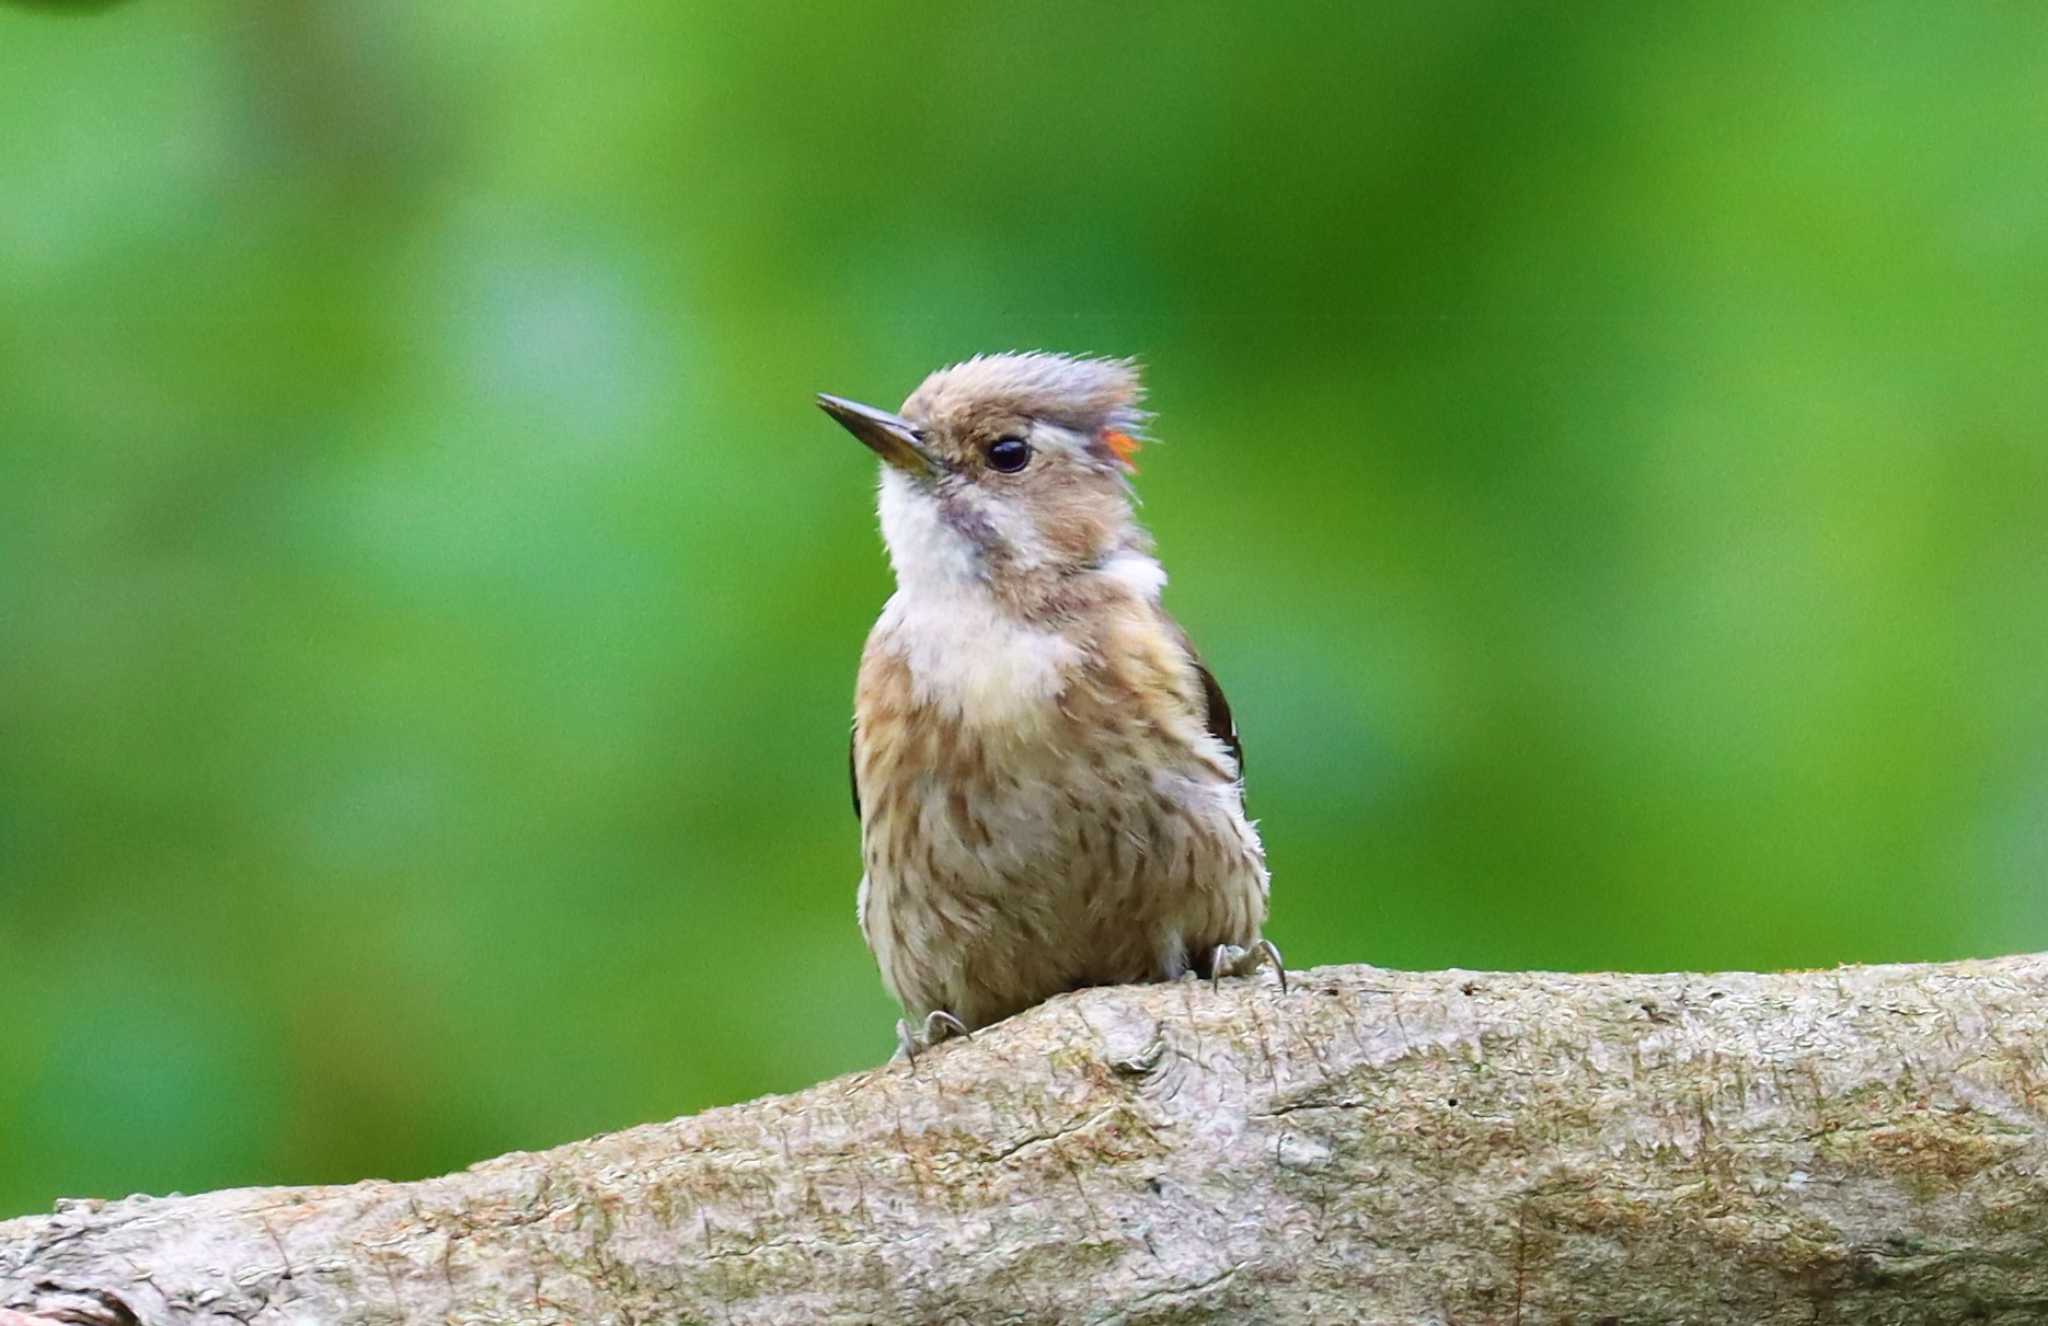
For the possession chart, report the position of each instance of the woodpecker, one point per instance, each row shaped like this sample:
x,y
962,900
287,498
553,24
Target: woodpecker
x,y
1049,784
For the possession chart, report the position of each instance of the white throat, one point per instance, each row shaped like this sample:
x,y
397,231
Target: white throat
x,y
926,553
968,654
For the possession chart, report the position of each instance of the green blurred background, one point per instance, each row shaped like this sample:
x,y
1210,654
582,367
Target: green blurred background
x,y
1602,452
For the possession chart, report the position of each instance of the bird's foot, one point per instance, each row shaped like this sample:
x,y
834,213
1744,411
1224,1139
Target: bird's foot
x,y
1230,960
938,1025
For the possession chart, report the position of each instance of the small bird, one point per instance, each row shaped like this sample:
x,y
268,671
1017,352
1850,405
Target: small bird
x,y
1048,781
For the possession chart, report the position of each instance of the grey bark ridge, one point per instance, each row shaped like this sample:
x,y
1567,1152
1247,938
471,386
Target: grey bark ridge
x,y
1863,1145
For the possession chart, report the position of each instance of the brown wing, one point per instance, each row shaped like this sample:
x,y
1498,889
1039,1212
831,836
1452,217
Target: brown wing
x,y
853,772
1221,725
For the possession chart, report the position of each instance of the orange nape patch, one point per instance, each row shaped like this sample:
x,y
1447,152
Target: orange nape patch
x,y
1124,445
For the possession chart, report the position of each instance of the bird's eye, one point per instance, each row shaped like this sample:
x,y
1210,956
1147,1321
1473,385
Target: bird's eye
x,y
1009,454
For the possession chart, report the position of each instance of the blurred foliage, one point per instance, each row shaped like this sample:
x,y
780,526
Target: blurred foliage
x,y
65,6
1603,457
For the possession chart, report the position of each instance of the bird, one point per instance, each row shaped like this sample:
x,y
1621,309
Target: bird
x,y
1048,779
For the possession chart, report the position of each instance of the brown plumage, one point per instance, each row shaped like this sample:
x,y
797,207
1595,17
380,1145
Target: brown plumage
x,y
1048,780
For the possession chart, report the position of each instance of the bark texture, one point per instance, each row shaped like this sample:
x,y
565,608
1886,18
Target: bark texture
x,y
1864,1145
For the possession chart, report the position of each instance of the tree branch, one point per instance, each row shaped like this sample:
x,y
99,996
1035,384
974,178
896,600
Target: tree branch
x,y
1859,1145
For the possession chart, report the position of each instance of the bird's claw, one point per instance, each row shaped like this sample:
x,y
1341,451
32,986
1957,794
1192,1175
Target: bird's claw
x,y
938,1025
1230,960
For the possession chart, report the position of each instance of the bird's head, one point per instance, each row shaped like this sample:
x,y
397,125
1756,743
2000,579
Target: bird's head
x,y
1009,471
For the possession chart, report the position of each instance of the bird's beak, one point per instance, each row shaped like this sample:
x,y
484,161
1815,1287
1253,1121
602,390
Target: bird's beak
x,y
892,437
